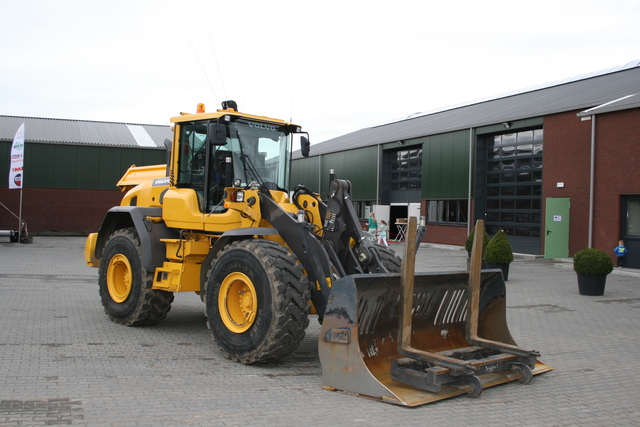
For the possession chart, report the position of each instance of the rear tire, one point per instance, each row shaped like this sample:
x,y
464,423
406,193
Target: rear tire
x,y
388,258
125,286
257,301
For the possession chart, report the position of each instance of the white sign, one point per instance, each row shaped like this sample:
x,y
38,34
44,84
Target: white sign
x,y
16,166
557,218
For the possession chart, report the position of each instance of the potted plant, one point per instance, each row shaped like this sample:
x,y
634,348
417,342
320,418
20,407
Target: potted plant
x,y
468,245
592,266
499,254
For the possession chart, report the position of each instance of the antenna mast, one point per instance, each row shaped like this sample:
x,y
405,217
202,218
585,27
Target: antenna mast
x,y
215,57
204,71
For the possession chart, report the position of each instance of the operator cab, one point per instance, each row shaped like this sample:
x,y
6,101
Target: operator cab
x,y
234,150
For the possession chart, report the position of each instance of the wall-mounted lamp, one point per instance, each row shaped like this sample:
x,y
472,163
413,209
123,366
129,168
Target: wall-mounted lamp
x,y
506,125
400,142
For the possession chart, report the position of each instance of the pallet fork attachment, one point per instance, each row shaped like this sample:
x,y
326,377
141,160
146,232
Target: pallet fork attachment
x,y
414,339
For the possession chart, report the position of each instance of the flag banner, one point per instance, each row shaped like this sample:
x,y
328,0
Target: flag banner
x,y
16,173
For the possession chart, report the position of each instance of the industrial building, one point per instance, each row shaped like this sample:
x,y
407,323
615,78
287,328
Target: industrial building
x,y
552,165
71,168
555,166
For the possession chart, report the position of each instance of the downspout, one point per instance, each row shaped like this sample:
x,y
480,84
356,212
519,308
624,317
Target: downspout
x,y
378,177
592,178
320,174
469,220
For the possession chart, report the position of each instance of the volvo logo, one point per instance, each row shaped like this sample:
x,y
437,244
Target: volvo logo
x,y
263,126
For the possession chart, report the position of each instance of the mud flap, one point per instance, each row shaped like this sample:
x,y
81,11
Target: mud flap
x,y
359,340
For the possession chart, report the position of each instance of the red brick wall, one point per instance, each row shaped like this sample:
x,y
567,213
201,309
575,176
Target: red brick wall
x,y
447,235
56,209
444,234
567,157
567,142
617,162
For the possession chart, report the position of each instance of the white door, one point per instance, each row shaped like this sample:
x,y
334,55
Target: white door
x,y
382,212
414,210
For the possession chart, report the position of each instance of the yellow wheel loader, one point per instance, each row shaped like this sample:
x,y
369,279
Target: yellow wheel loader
x,y
219,220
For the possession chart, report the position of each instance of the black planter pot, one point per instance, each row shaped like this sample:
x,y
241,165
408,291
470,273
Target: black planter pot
x,y
503,267
591,285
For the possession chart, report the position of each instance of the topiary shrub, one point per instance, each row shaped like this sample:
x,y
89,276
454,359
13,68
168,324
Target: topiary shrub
x,y
592,262
499,249
468,245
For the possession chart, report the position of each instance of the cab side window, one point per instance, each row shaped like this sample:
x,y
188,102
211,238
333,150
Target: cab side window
x,y
192,156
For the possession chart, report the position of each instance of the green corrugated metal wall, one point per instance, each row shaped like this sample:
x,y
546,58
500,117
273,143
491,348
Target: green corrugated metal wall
x,y
445,166
76,166
306,172
358,166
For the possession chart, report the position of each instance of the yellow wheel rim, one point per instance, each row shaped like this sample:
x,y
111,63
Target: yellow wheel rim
x,y
119,278
237,302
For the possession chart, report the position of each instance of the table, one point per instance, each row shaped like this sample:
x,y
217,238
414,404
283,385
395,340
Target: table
x,y
402,231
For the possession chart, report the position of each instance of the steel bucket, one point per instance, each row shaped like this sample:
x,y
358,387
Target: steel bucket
x,y
361,338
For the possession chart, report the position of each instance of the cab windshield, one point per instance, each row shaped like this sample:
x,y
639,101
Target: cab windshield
x,y
260,152
254,152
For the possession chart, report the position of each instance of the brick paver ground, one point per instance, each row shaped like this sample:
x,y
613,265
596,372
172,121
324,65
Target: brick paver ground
x,y
62,362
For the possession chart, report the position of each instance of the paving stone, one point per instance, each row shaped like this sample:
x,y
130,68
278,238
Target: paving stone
x,y
63,362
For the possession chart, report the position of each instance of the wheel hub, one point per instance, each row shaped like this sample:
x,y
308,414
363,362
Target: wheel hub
x,y
119,278
237,302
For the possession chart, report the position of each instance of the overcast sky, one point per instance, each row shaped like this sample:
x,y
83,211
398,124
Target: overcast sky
x,y
334,67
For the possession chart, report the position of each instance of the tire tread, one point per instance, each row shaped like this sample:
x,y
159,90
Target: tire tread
x,y
153,305
291,289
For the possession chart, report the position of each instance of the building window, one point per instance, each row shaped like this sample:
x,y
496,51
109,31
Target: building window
x,y
513,192
451,212
363,209
406,169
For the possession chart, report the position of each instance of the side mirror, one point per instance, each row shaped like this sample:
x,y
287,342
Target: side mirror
x,y
302,140
305,145
216,134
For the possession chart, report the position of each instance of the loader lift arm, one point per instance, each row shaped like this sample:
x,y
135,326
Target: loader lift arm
x,y
305,246
339,250
342,231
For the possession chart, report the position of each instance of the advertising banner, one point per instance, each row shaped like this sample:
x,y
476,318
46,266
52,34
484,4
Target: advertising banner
x,y
16,166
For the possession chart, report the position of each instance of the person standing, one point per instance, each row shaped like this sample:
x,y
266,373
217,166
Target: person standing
x,y
373,224
620,252
382,237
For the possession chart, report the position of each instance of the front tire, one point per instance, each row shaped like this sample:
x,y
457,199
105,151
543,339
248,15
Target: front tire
x,y
126,287
257,301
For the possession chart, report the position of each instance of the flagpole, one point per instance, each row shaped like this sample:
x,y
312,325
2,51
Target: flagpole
x,y
20,218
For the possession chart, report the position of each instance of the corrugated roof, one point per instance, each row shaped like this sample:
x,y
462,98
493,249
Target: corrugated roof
x,y
567,95
631,64
84,132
